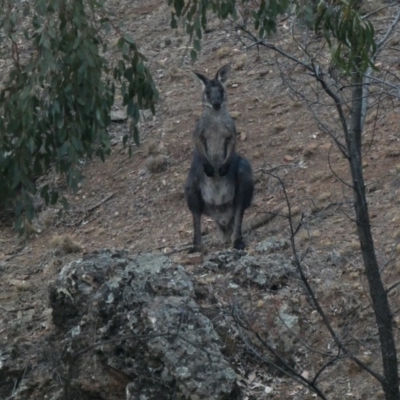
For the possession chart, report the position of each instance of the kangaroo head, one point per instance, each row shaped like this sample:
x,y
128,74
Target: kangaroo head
x,y
214,94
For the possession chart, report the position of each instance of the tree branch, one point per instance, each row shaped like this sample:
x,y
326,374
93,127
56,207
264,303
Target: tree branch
x,y
311,293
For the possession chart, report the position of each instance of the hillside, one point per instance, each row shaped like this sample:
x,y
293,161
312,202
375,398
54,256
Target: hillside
x,y
136,204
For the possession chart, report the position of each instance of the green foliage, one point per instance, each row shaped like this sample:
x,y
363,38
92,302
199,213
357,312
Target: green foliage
x,y
265,16
306,11
350,38
195,12
55,103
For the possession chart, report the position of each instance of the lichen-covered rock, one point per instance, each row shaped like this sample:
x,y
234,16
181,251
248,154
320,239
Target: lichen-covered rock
x,y
79,280
270,271
166,344
273,245
191,356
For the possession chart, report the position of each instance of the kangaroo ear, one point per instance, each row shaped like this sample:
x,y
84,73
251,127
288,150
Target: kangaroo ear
x,y
202,78
223,73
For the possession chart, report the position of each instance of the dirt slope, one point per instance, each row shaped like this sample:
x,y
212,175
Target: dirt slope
x,y
137,203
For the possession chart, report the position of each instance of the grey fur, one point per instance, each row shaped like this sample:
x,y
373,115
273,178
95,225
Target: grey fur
x,y
220,182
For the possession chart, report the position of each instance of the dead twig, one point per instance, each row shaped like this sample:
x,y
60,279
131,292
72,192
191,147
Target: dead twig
x,y
178,250
260,220
92,208
17,255
17,309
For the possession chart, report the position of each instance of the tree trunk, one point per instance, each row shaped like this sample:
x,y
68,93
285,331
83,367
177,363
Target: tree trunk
x,y
383,315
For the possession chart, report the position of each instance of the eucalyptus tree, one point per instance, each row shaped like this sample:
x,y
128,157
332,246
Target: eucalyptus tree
x,y
56,96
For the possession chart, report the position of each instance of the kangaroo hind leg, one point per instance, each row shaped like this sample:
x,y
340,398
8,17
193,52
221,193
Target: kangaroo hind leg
x,y
195,203
243,196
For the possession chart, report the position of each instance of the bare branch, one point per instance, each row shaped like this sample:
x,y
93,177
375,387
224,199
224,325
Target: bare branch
x,y
336,99
383,82
286,368
311,293
392,286
389,31
366,16
275,48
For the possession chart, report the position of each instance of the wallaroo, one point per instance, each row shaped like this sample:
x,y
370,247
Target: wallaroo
x,y
220,182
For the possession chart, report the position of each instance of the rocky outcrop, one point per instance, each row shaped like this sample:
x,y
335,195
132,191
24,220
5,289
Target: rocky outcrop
x,y
148,328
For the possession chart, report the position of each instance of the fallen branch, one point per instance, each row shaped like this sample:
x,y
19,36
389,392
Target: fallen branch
x,y
261,219
92,208
17,255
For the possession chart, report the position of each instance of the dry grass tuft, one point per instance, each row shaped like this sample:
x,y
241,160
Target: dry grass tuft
x,y
155,164
47,218
353,245
393,151
235,114
223,52
65,243
240,61
151,149
316,176
175,73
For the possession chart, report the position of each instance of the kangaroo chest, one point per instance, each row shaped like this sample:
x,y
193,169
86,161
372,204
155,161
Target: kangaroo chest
x,y
216,137
217,191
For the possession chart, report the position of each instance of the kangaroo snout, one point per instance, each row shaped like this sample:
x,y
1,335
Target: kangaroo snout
x,y
224,221
216,105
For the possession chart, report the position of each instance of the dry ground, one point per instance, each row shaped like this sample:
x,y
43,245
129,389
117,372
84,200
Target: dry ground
x,y
137,203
